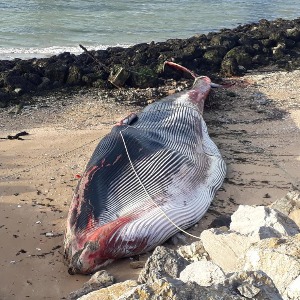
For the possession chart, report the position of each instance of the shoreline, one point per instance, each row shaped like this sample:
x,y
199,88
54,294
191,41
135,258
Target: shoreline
x,y
229,52
255,123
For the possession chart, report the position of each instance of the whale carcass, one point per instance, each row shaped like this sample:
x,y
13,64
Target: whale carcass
x,y
154,174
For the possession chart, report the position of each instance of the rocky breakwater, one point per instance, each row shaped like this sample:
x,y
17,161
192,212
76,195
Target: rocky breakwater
x,y
256,257
228,52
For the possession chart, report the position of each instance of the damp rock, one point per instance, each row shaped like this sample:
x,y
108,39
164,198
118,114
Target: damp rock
x,y
74,75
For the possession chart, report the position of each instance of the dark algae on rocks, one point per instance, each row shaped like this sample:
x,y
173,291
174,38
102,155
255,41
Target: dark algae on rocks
x,y
229,52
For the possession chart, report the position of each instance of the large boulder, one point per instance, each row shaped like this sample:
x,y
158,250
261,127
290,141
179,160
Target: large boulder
x,y
163,262
279,258
225,247
262,222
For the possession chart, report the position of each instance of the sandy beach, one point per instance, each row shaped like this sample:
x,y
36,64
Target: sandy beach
x,y
255,123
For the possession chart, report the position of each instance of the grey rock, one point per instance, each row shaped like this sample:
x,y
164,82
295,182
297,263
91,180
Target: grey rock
x,y
255,285
203,272
279,259
172,289
112,292
225,247
163,262
248,290
99,280
251,285
288,203
262,222
193,252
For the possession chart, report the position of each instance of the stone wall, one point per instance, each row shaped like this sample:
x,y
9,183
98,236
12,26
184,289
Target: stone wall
x,y
227,52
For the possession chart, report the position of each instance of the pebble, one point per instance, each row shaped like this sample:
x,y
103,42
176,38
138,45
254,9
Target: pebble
x,y
137,264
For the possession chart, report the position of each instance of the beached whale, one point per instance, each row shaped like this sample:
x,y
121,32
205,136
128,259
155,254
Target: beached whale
x,y
154,174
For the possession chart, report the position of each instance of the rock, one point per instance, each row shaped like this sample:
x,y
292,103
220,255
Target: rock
x,y
18,91
251,285
227,52
34,78
45,84
74,75
233,245
172,289
112,292
137,264
293,290
288,203
248,290
240,55
99,280
193,252
143,77
165,288
163,262
16,81
229,67
295,216
118,76
262,222
57,71
239,286
203,272
213,56
222,220
293,33
279,259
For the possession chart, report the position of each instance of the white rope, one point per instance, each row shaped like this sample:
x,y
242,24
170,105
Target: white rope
x,y
148,195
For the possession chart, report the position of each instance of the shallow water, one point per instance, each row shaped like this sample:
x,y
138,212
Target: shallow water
x,y
31,28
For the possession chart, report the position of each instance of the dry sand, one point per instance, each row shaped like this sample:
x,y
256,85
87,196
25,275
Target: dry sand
x,y
255,123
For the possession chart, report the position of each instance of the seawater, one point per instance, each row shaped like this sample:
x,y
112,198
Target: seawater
x,y
37,28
